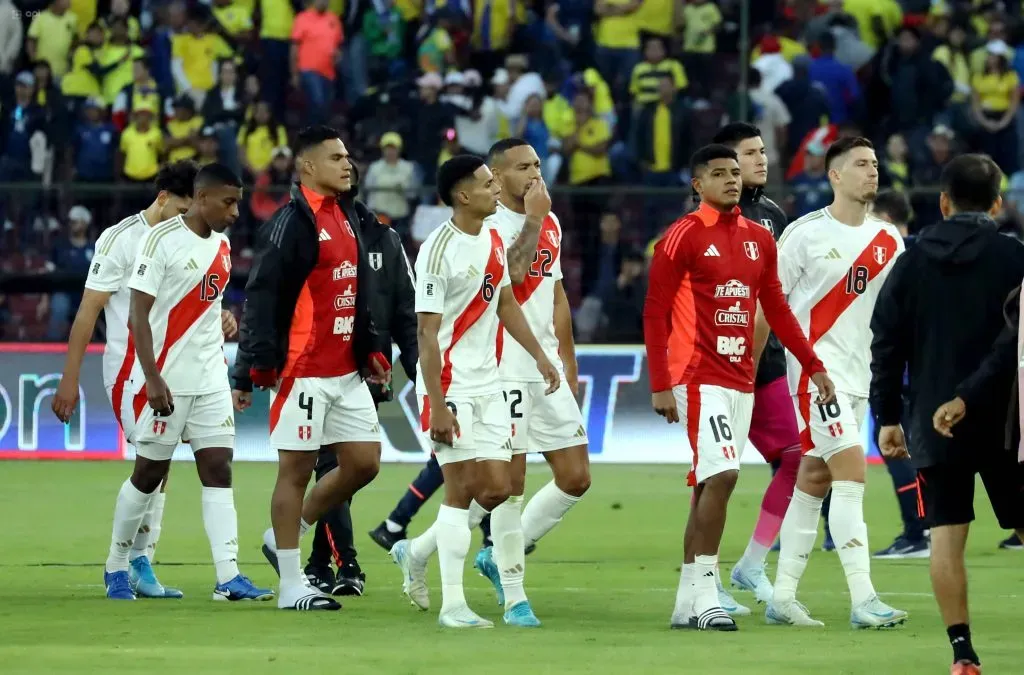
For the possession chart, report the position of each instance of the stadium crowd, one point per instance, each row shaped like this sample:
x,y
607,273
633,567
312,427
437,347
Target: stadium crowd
x,y
613,95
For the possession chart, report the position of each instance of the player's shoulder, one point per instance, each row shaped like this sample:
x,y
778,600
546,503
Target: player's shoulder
x,y
677,234
555,221
757,230
120,237
804,226
883,226
436,249
161,236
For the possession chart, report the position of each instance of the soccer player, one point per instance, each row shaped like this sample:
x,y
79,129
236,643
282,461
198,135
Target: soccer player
x,y
462,293
307,335
106,290
831,264
773,428
946,314
175,377
552,425
707,276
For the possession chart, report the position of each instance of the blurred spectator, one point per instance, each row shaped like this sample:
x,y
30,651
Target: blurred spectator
x,y
195,54
22,121
142,148
141,91
115,60
919,86
701,20
876,19
896,163
50,36
622,303
384,30
522,85
82,80
437,51
11,36
494,23
601,94
272,188
171,23
602,265
532,129
224,109
477,127
120,10
617,34
94,145
258,137
183,130
234,18
316,38
994,103
663,143
209,146
806,102
810,188
70,256
432,118
571,22
998,32
766,111
276,20
954,55
939,145
645,82
356,49
49,99
772,65
391,182
837,79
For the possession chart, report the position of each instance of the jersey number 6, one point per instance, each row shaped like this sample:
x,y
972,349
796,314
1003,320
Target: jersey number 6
x,y
487,290
209,291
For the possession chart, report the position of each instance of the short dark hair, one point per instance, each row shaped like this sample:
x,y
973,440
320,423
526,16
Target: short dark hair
x,y
217,175
700,159
310,137
453,172
178,178
843,145
972,182
503,146
734,133
894,204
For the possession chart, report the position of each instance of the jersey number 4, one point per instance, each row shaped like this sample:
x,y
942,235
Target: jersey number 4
x,y
209,288
857,280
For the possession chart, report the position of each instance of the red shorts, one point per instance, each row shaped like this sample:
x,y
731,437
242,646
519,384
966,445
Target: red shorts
x,y
773,426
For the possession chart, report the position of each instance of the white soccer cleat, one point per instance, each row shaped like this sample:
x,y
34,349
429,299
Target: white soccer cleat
x,y
754,580
873,613
729,604
414,575
463,617
789,614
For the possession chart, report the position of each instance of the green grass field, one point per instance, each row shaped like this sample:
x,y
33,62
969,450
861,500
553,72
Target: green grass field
x,y
603,583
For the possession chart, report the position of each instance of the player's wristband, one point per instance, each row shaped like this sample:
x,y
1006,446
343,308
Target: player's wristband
x,y
262,377
378,358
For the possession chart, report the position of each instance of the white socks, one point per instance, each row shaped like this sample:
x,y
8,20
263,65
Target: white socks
x,y
453,540
509,555
477,514
271,540
754,557
850,533
155,520
705,589
144,536
544,510
799,530
129,510
684,594
221,523
425,545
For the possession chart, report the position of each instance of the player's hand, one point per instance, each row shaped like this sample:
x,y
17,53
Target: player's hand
x,y
572,376
664,403
444,426
380,369
264,378
65,399
159,395
537,199
892,443
826,389
241,400
228,324
949,415
551,376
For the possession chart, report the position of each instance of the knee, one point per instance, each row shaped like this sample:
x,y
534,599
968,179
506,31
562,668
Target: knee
x,y
364,466
574,483
215,474
724,482
494,493
517,485
147,475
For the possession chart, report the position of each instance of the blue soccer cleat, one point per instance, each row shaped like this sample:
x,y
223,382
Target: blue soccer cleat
x,y
118,585
485,565
241,588
145,583
521,614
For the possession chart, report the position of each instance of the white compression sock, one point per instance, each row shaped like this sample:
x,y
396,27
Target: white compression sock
x,y
424,546
221,523
271,540
706,592
453,540
684,594
129,510
799,530
155,518
754,556
140,546
509,555
850,533
290,564
545,510
476,514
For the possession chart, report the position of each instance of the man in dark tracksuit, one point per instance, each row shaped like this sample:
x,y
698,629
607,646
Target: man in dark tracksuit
x,y
392,307
940,316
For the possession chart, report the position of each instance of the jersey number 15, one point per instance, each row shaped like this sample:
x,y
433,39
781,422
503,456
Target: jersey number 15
x,y
209,288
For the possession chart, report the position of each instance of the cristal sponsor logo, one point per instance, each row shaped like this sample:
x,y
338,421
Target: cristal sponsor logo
x,y
346,299
732,289
733,316
733,347
345,271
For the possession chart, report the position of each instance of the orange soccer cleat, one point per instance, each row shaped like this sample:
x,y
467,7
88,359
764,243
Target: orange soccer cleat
x,y
965,667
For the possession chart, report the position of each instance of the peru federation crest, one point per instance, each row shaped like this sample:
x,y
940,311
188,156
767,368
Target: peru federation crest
x,y
750,248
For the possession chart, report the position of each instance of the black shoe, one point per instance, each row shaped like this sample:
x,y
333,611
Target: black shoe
x,y
903,547
350,580
320,577
385,538
1012,543
271,556
530,549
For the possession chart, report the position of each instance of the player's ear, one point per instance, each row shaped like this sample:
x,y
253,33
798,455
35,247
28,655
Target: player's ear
x,y
997,207
946,206
695,184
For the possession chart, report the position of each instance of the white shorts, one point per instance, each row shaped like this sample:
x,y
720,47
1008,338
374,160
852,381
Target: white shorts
x,y
309,412
484,425
828,429
717,423
543,423
205,421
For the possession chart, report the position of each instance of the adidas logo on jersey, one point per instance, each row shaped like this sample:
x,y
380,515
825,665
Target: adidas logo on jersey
x,y
712,252
191,265
580,432
833,255
324,236
229,422
472,271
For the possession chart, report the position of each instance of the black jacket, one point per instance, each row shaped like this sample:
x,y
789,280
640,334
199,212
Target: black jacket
x,y
940,316
758,208
682,137
287,248
393,304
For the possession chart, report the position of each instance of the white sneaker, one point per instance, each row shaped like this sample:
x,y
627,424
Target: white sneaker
x,y
729,604
753,579
463,617
789,614
414,575
873,613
